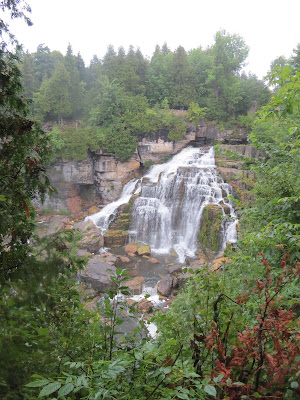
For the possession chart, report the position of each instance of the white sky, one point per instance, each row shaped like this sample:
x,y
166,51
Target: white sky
x,y
271,28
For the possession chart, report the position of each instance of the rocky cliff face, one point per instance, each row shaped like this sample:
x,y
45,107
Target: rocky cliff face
x,y
99,178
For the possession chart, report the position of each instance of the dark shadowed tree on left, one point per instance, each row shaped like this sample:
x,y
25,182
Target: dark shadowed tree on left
x,y
35,285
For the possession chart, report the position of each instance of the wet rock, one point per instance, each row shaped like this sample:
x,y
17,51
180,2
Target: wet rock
x,y
130,302
210,229
144,250
165,286
175,269
145,306
153,261
93,210
111,259
226,209
173,253
135,285
124,259
131,248
97,274
218,263
91,239
115,238
199,262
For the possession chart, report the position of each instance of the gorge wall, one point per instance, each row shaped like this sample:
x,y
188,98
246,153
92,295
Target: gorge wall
x,y
99,178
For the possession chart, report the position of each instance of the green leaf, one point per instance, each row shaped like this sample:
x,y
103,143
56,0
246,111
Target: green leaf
x,y
66,389
218,378
294,385
2,198
42,331
37,383
51,388
256,395
182,396
210,390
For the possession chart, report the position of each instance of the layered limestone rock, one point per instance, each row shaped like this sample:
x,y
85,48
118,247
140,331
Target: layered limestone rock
x,y
233,162
209,133
99,178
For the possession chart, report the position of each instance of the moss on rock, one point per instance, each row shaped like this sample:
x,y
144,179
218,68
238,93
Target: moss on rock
x,y
210,229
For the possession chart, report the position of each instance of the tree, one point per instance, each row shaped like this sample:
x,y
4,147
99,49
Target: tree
x,y
53,98
75,87
38,306
43,63
28,76
109,103
229,53
181,76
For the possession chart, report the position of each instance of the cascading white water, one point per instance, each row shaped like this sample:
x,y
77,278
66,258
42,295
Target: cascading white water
x,y
168,212
173,195
103,218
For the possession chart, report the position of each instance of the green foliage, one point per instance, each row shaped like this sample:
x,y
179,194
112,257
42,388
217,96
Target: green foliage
x,y
72,143
120,142
195,113
53,98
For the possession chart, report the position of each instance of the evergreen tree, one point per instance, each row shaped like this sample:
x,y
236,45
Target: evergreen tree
x,y
181,76
53,98
75,88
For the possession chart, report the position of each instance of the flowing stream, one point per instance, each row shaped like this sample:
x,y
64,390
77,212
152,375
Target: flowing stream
x,y
172,197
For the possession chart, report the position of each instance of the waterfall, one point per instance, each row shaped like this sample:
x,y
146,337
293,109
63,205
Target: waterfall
x,y
103,218
167,214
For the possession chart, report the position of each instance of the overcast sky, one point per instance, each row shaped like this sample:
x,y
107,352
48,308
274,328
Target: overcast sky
x,y
270,27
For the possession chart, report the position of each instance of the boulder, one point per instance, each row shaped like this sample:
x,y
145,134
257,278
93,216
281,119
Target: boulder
x,y
97,274
153,261
200,261
91,240
124,259
131,248
130,302
165,286
175,269
218,262
144,250
55,224
111,259
145,306
135,285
